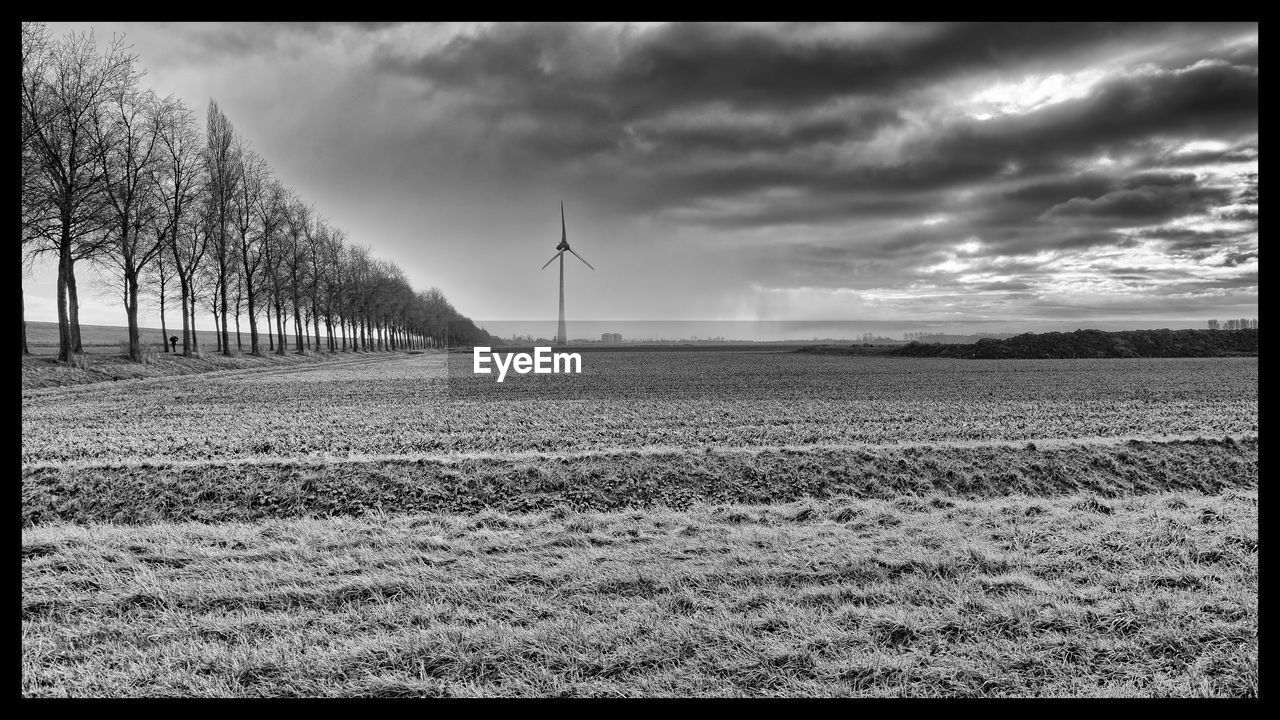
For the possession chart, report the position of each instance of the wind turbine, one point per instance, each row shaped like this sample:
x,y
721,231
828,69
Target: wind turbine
x,y
561,336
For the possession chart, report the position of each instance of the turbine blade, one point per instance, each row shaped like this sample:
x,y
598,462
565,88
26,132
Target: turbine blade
x,y
584,260
564,235
553,259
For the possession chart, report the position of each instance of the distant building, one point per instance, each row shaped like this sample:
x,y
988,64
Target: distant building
x,y
611,338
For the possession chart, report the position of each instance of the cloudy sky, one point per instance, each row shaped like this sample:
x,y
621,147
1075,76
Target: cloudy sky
x,y
1034,174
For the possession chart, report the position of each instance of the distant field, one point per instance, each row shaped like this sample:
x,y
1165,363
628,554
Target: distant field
x,y
411,406
42,338
714,523
105,358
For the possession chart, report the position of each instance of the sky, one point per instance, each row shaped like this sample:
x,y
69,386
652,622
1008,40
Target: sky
x,y
1012,174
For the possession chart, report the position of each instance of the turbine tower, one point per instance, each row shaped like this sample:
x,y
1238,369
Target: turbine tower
x,y
562,337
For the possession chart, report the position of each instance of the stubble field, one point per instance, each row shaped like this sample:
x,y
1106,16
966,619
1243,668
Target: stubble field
x,y
721,523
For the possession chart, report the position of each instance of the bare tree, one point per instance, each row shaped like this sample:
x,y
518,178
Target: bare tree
x,y
357,296
332,252
60,96
254,175
38,213
270,206
316,234
126,130
178,184
222,169
297,218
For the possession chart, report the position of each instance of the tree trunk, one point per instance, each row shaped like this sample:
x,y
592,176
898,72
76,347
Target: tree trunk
x,y
73,303
225,337
65,341
315,317
195,338
22,310
271,336
131,311
253,324
280,344
297,329
164,330
186,327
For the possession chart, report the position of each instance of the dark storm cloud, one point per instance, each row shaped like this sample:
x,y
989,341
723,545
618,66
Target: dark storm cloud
x,y
806,209
1238,214
1142,205
1194,103
1047,193
1119,114
748,66
1021,241
723,135
752,67
1004,286
1186,240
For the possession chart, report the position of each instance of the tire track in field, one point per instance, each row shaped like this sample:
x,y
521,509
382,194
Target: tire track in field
x,y
163,462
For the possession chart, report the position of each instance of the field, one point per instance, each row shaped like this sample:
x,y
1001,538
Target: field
x,y
42,337
669,523
106,358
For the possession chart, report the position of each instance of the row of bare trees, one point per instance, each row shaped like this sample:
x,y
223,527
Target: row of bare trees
x,y
118,177
1239,324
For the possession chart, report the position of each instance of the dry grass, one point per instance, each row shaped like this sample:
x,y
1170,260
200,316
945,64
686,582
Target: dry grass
x,y
1154,595
221,491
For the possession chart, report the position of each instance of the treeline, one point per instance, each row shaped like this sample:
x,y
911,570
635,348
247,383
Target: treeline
x,y
1240,324
932,337
130,182
1098,344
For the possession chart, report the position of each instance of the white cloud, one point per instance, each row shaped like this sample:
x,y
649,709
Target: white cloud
x,y
1032,93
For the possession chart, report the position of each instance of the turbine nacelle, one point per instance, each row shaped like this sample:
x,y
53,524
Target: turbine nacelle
x,y
563,247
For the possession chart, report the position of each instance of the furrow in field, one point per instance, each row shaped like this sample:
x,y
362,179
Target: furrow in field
x,y
217,492
327,459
